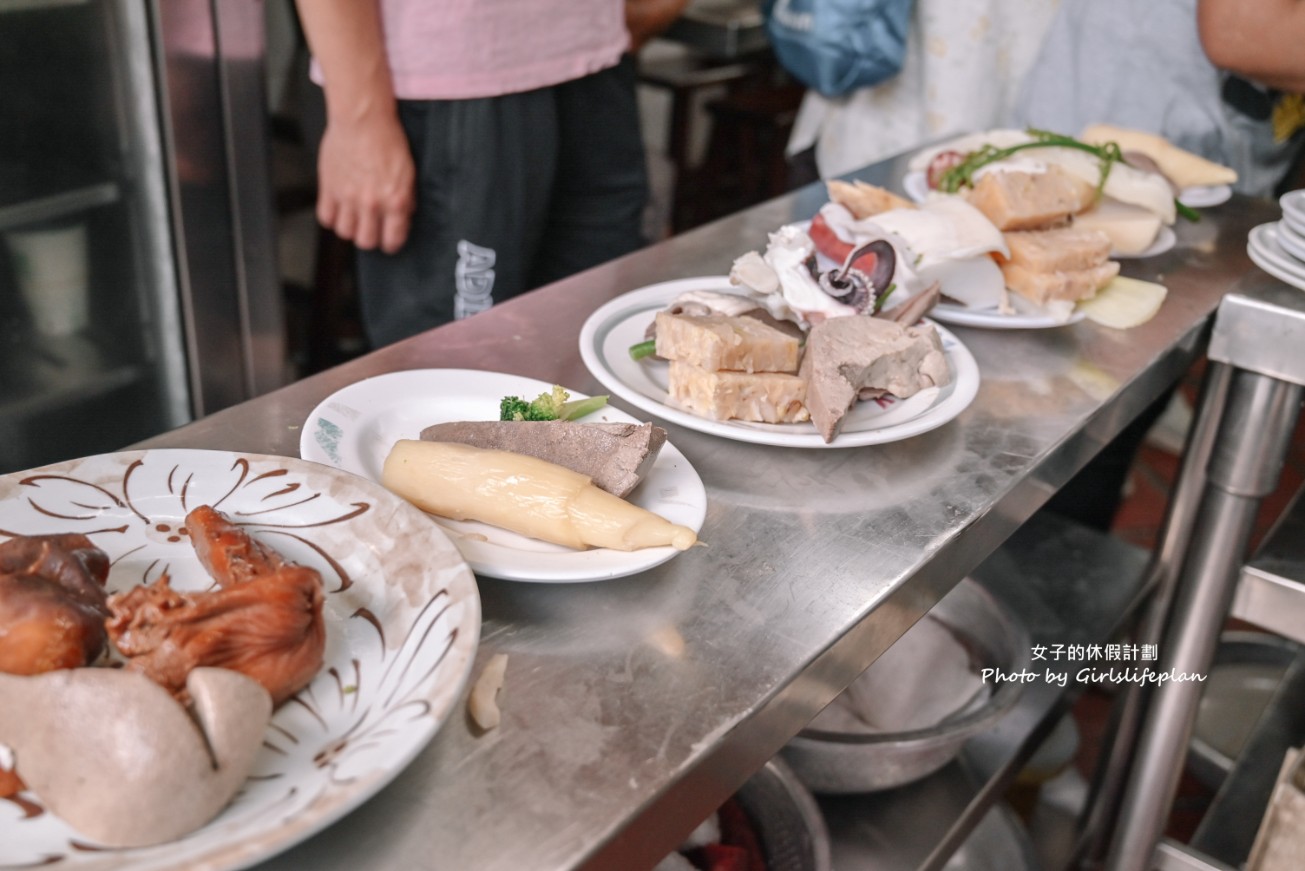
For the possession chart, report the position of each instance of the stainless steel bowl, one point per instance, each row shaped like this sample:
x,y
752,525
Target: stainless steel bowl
x,y
786,818
863,761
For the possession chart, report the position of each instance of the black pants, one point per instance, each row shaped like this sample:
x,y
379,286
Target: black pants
x,y
513,192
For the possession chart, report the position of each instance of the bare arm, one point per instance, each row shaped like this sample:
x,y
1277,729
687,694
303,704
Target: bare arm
x,y
365,168
1262,40
647,18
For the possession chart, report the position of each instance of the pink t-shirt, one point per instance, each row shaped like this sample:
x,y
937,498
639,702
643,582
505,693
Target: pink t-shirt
x,y
460,49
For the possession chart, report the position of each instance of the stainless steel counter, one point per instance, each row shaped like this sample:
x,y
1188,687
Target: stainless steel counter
x,y
633,707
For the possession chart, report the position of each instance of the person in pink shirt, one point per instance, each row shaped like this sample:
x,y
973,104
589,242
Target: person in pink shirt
x,y
474,149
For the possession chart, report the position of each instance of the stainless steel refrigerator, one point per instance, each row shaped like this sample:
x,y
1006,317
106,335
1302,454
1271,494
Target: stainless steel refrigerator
x,y
138,285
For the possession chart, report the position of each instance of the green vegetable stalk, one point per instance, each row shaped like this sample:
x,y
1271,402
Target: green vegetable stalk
x,y
554,405
639,350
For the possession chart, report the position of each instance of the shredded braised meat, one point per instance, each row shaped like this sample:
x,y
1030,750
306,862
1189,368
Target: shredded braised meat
x,y
264,621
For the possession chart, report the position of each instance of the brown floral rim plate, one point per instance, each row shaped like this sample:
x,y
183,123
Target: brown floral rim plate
x,y
403,623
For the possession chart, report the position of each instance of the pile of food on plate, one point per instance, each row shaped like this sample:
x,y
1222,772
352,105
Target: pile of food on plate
x,y
192,700
539,472
803,340
1016,222
800,343
1066,205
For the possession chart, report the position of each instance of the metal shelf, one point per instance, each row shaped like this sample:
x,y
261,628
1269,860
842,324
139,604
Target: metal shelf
x,y
1270,595
1227,830
1069,585
49,374
1270,592
58,205
1173,856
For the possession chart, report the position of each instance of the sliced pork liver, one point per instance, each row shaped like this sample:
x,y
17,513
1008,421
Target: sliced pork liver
x,y
615,456
846,356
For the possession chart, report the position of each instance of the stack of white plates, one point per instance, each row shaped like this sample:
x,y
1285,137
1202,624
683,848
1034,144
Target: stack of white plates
x,y
1279,247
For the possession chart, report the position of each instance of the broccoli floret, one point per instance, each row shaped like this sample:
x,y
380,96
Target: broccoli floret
x,y
553,405
549,406
513,408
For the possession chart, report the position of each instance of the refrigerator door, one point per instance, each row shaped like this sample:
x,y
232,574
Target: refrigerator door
x,y
131,300
216,132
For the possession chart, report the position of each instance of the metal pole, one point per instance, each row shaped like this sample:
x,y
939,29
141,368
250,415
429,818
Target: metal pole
x,y
1098,820
1247,458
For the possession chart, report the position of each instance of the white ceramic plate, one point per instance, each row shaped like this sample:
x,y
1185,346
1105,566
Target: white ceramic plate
x,y
1273,268
916,186
1205,196
1293,210
1164,241
1291,242
402,618
354,428
1267,253
609,332
992,319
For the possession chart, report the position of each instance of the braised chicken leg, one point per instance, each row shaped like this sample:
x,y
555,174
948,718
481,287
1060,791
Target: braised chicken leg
x,y
265,621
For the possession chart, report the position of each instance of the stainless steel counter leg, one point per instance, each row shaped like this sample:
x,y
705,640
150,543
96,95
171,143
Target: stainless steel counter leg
x,y
1099,818
1246,460
1244,468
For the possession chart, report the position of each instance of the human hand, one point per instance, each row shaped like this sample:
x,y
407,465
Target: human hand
x,y
645,19
365,183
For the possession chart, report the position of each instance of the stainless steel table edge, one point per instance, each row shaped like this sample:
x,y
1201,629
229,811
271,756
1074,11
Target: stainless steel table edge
x,y
1102,379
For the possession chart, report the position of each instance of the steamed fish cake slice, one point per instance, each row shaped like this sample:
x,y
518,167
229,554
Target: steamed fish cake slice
x,y
1059,250
1047,288
1030,200
714,342
758,397
1065,264
523,494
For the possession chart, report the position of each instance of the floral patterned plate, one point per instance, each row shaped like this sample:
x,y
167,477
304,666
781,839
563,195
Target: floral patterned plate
x,y
402,617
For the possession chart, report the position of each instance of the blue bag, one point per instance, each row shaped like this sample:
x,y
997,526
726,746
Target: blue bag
x,y
838,46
